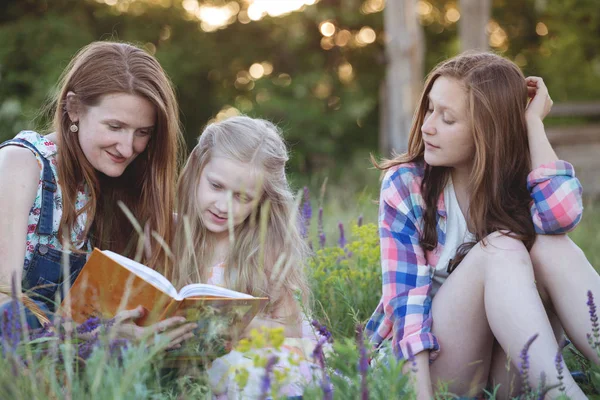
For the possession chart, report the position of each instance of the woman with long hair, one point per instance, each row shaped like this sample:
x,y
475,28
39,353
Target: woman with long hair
x,y
473,218
115,139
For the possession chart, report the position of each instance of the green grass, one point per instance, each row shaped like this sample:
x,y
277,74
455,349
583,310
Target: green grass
x,y
587,234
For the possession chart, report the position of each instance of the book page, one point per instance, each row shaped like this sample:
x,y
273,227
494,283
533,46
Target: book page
x,y
204,290
148,274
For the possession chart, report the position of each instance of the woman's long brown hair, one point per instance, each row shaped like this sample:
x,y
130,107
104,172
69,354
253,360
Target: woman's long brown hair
x,y
499,200
147,187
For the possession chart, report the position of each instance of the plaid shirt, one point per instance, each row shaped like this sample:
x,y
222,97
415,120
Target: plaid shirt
x,y
404,312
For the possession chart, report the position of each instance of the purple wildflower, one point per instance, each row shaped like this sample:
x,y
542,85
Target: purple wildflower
x,y
411,358
302,227
116,347
319,357
524,370
89,326
11,322
45,331
342,241
558,362
265,385
360,220
11,328
363,362
542,386
327,388
320,228
322,330
306,208
593,339
86,348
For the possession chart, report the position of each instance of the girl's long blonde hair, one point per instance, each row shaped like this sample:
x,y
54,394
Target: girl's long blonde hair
x,y
147,186
282,250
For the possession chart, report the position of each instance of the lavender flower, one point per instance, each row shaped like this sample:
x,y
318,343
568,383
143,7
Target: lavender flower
x,y
11,322
89,326
322,330
265,386
319,358
363,363
360,220
320,228
306,208
86,348
342,241
558,362
542,386
116,347
411,358
524,370
45,331
327,388
10,330
302,227
593,339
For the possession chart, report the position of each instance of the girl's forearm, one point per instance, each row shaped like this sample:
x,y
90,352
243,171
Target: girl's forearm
x,y
540,149
420,376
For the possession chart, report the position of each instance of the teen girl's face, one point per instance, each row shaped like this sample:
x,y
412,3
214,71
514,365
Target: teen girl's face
x,y
115,131
446,132
227,183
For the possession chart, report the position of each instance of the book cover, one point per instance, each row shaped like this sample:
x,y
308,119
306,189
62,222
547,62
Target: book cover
x,y
109,283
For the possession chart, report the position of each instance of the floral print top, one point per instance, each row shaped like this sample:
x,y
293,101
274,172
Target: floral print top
x,y
48,149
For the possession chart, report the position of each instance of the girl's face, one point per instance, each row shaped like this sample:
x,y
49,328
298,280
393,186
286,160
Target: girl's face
x,y
115,131
222,181
446,133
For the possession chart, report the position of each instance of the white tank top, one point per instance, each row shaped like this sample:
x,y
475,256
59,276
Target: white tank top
x,y
456,234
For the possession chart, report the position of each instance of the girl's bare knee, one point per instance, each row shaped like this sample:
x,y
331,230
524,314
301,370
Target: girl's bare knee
x,y
549,247
501,244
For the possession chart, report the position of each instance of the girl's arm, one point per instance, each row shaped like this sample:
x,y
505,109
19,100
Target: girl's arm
x,y
419,372
540,150
406,274
19,179
556,192
406,304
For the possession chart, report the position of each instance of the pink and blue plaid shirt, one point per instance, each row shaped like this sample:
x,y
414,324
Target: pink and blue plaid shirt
x,y
404,312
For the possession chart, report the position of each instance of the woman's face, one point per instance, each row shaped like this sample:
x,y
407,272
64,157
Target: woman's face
x,y
446,130
115,131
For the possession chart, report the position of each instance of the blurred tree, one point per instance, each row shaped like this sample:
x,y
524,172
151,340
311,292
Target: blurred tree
x,y
317,72
474,18
402,85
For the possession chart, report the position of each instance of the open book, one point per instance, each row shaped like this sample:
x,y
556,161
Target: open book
x,y
109,283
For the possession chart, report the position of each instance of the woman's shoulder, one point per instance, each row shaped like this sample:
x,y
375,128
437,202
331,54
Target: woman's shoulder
x,y
44,145
405,178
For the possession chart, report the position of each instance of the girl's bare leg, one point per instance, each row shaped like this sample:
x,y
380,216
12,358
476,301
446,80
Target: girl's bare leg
x,y
492,294
564,275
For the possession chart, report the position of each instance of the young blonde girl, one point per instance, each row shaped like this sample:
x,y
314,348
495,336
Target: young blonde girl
x,y
234,182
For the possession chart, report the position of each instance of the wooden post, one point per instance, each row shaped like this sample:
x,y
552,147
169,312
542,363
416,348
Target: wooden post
x,y
404,74
474,17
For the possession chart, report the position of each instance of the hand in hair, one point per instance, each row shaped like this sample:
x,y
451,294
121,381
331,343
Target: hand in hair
x,y
540,104
174,329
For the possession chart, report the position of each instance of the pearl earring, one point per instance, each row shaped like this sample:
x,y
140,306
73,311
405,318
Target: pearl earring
x,y
74,128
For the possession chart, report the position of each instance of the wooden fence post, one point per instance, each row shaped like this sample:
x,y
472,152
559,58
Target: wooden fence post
x,y
474,17
404,74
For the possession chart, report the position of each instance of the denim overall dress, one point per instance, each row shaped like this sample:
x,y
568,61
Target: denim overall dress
x,y
43,276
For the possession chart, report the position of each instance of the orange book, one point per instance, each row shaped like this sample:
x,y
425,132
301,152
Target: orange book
x,y
109,283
